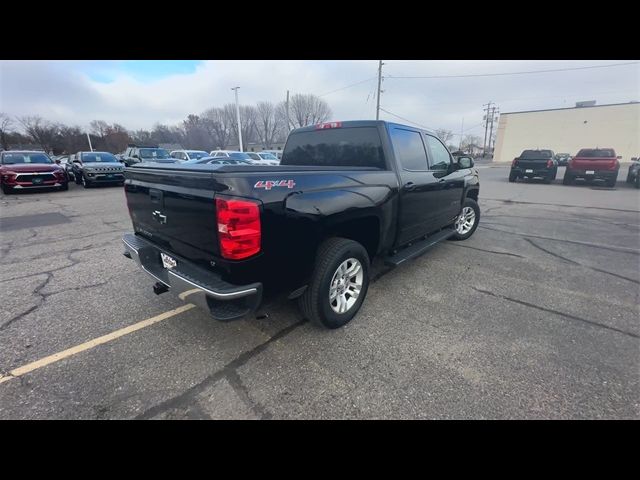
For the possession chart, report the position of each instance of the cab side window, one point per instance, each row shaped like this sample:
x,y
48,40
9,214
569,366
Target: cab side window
x,y
409,149
440,157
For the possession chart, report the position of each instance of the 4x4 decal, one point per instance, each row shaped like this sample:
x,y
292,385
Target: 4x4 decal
x,y
269,184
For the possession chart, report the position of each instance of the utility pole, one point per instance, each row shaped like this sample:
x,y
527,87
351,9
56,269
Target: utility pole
x,y
89,138
493,113
461,130
288,122
380,64
238,117
486,125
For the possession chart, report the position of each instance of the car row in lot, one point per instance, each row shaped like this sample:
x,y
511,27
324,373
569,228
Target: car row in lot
x,y
589,164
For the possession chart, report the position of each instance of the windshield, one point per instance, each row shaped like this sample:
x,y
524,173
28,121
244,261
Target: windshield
x,y
239,156
99,157
16,158
596,152
152,153
254,156
267,156
196,154
343,147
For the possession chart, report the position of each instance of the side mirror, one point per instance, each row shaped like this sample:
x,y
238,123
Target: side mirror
x,y
619,157
135,156
465,162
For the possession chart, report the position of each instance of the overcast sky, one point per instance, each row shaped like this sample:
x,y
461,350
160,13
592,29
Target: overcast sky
x,y
138,94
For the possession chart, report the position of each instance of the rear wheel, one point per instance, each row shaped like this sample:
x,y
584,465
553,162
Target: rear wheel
x,y
512,177
611,182
467,222
338,285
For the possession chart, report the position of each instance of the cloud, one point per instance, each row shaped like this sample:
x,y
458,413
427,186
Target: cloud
x,y
71,92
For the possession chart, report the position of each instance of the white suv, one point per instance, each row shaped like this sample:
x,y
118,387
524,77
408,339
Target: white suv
x,y
184,155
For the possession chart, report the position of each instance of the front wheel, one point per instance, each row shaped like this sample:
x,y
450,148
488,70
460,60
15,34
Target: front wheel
x,y
85,183
6,190
338,285
467,221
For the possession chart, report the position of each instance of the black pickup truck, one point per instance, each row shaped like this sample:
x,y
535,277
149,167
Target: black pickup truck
x,y
534,164
221,236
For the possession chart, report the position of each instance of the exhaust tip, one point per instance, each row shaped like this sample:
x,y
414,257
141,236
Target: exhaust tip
x,y
159,288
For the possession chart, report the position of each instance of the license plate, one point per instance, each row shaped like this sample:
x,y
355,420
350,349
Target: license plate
x,y
528,170
589,172
167,261
37,180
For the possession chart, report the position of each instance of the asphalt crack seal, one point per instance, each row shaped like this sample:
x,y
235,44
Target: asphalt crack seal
x,y
556,312
186,398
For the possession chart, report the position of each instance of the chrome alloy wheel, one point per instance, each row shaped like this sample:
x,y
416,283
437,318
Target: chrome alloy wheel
x,y
346,285
465,220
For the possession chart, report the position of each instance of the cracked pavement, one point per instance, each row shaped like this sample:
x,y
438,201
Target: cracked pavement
x,y
535,316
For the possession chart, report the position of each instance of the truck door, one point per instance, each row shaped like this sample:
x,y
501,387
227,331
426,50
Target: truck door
x,y
419,208
450,180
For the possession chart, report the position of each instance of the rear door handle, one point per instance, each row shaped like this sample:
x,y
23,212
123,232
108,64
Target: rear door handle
x,y
409,186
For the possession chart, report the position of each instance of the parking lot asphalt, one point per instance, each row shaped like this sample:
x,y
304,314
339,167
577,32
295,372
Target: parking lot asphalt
x,y
536,316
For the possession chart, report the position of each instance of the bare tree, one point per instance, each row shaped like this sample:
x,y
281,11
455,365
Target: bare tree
x,y
6,127
444,135
470,141
267,123
308,110
99,128
217,126
248,116
42,132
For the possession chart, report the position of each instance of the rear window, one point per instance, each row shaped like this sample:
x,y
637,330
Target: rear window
x,y
335,147
537,154
597,152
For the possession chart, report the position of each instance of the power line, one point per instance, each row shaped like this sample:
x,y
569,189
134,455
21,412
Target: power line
x,y
405,119
348,86
516,73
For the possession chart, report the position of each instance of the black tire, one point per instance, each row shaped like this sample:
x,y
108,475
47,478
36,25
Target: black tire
x,y
468,202
314,302
512,177
65,186
610,182
567,179
548,179
76,178
85,183
7,190
637,182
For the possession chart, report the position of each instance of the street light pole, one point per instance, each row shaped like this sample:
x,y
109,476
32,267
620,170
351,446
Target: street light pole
x,y
238,116
89,138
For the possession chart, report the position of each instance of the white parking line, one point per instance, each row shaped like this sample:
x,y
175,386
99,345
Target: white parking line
x,y
56,357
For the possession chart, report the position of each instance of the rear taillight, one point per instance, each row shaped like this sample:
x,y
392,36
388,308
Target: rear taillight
x,y
514,162
239,229
322,126
549,163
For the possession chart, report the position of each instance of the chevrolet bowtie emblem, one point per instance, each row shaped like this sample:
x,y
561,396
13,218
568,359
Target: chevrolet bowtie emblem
x,y
159,217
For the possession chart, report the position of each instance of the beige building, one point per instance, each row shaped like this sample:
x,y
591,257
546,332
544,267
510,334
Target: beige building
x,y
567,130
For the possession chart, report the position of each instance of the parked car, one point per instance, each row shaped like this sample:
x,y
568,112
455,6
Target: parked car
x,y
263,158
309,227
275,153
633,175
97,168
186,155
593,164
562,159
146,153
28,170
65,162
221,153
534,164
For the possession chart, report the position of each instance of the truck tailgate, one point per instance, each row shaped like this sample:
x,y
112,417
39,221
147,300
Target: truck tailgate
x,y
175,209
593,163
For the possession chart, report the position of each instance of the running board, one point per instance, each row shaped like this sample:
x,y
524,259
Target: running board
x,y
418,248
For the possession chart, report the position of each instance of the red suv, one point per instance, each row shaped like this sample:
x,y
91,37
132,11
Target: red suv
x,y
593,164
22,170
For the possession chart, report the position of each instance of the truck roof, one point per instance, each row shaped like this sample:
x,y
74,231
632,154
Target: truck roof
x,y
362,123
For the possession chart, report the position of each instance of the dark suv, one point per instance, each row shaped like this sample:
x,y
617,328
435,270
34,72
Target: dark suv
x,y
146,153
91,168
